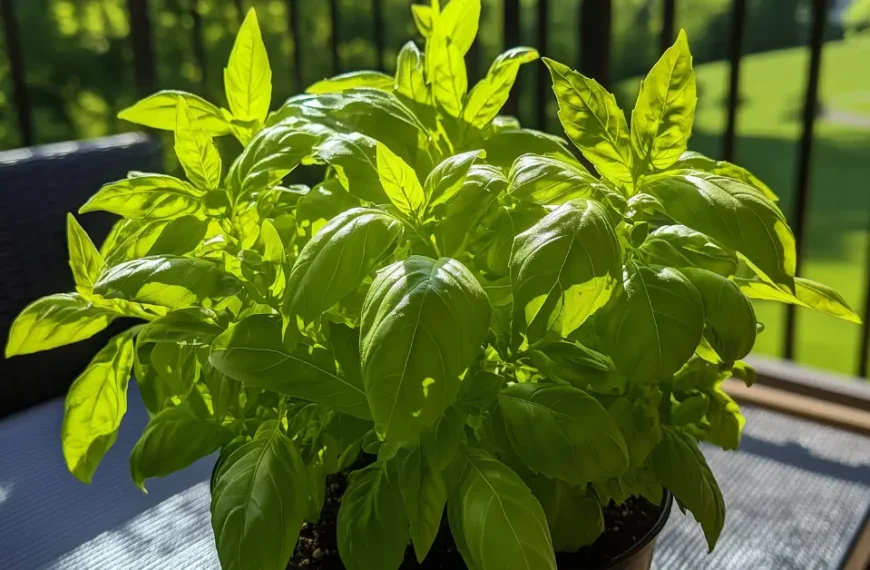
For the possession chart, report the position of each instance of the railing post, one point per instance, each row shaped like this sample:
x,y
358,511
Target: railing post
x,y
143,52
511,38
805,153
333,38
293,14
738,33
199,47
595,34
378,25
669,15
543,78
16,64
240,10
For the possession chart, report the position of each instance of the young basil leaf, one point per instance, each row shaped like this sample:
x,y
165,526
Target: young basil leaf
x,y
345,81
496,521
441,443
195,150
579,366
640,426
400,182
477,196
445,180
562,432
422,324
252,352
458,21
410,79
730,318
491,93
167,281
337,259
680,466
593,121
423,17
173,440
697,161
808,294
505,147
85,261
574,514
178,237
726,421
53,321
146,197
258,502
177,367
424,494
158,111
95,404
372,525
733,214
448,75
661,122
247,76
653,328
552,181
354,158
194,326
559,279
679,247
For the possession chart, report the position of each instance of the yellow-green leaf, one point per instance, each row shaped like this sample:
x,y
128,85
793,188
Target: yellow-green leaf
x,y
410,79
449,79
195,150
593,121
809,294
491,93
339,83
400,182
248,77
84,259
146,197
459,21
95,405
661,122
158,112
423,16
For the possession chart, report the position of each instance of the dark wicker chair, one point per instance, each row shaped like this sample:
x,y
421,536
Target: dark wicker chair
x,y
39,186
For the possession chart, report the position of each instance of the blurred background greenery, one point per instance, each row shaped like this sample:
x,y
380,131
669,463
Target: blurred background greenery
x,y
78,63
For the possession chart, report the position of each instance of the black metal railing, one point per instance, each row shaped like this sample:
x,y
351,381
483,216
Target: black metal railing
x,y
594,31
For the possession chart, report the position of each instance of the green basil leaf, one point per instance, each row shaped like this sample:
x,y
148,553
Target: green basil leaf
x,y
167,281
354,158
574,515
593,121
177,367
553,181
730,318
424,494
158,111
491,93
661,122
423,18
422,324
678,247
480,388
653,328
732,213
726,421
680,466
446,179
195,326
459,21
146,197
344,81
477,196
178,237
410,78
697,161
252,352
153,389
495,519
85,261
247,76
579,366
400,182
258,503
337,259
441,443
224,392
506,146
172,441
95,404
562,432
195,150
563,269
54,321
639,423
372,525
809,294
448,76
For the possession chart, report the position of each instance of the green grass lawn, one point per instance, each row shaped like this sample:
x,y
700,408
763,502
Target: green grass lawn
x,y
769,126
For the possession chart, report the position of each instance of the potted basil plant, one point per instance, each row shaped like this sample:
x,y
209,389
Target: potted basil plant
x,y
463,347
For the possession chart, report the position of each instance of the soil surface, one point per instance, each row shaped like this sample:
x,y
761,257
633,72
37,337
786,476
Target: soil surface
x,y
317,548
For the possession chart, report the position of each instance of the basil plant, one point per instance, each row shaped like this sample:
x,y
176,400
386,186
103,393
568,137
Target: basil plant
x,y
462,312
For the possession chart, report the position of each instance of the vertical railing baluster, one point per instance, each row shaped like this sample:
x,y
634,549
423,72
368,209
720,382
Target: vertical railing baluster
x,y
143,51
293,14
240,10
543,78
333,39
16,65
669,16
805,154
199,47
738,33
511,38
596,18
378,32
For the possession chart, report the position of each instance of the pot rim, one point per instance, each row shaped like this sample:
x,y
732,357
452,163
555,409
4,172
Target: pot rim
x,y
651,534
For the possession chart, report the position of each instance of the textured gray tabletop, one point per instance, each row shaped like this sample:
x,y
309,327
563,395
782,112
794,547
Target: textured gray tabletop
x,y
796,494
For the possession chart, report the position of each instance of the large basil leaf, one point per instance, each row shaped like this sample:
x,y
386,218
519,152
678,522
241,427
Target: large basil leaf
x,y
372,525
680,466
593,121
247,76
459,21
176,365
158,112
422,324
252,352
496,521
146,197
337,259
808,293
504,147
678,246
258,503
345,81
563,269
732,213
400,182
654,326
562,432
173,440
85,261
574,514
491,93
553,181
95,404
697,161
424,494
661,122
167,281
195,150
730,318
56,320
354,158
447,178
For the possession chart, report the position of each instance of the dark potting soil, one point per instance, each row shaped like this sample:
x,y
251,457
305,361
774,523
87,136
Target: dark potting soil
x,y
317,548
